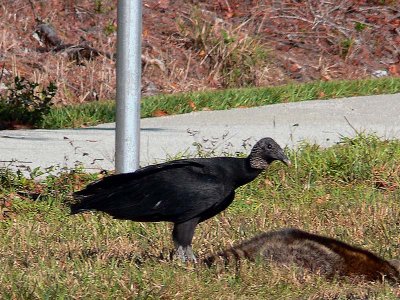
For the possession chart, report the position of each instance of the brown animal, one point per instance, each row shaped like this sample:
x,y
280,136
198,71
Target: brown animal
x,y
319,254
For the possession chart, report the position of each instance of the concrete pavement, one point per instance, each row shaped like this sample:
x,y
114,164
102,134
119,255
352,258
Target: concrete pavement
x,y
319,121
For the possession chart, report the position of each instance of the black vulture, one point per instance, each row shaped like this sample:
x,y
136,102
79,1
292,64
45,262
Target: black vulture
x,y
184,192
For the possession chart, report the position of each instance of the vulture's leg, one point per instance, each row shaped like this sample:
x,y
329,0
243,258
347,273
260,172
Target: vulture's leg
x,y
182,236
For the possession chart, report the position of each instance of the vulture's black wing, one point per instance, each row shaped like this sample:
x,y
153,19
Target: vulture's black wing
x,y
175,191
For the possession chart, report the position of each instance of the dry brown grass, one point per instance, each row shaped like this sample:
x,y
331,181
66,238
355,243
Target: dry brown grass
x,y
45,253
23,57
305,41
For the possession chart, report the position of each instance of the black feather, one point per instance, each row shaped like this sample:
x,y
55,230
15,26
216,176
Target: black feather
x,y
184,192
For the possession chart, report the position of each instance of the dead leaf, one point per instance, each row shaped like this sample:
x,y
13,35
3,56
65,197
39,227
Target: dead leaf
x,y
268,182
294,68
394,69
5,210
229,14
159,113
326,77
163,4
323,199
5,203
192,105
145,33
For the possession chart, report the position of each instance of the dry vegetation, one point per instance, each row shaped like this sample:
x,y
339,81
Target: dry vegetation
x,y
190,45
350,191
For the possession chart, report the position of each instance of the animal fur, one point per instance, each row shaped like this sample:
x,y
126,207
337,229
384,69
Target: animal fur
x,y
319,254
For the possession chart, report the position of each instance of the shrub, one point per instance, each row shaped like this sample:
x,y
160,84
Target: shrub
x,y
24,102
234,58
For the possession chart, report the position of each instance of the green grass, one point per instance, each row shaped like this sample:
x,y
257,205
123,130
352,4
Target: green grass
x,y
100,112
349,191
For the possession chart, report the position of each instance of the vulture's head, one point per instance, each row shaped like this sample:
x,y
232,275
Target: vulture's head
x,y
264,152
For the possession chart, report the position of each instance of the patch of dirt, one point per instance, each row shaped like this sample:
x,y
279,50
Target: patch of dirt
x,y
190,45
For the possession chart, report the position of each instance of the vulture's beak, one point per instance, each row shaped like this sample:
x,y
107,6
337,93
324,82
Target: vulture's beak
x,y
287,162
285,159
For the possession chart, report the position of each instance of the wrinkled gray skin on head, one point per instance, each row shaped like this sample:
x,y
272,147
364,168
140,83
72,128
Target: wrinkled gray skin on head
x,y
264,152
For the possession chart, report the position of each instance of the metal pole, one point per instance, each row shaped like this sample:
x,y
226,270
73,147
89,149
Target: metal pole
x,y
127,135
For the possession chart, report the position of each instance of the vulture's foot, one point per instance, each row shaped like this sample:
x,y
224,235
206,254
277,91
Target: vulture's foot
x,y
185,254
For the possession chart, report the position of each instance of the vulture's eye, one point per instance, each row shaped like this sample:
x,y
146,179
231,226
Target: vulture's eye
x,y
269,146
